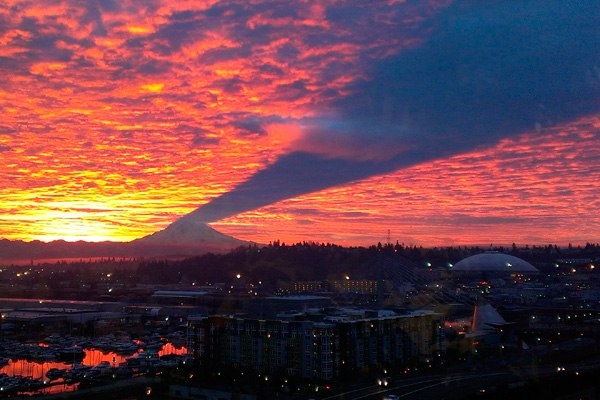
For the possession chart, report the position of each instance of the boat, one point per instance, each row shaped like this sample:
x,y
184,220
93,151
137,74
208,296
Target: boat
x,y
76,373
55,373
71,353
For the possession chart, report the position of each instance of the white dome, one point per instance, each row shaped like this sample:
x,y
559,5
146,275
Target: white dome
x,y
493,261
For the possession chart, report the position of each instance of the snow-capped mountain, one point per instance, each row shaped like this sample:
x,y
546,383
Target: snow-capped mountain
x,y
190,233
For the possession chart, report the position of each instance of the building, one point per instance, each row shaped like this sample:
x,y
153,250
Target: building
x,y
265,347
311,286
492,271
392,341
494,264
360,286
268,307
337,346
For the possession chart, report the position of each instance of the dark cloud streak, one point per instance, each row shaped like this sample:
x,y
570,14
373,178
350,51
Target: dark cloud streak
x,y
290,176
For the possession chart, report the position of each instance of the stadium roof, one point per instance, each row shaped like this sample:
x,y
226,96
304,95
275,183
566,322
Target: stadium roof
x,y
493,261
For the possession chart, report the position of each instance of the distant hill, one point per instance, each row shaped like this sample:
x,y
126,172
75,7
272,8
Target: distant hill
x,y
184,237
19,250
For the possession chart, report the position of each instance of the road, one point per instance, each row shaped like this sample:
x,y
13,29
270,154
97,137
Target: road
x,y
485,383
435,386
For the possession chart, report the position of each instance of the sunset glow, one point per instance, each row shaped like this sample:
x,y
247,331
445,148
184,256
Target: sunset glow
x,y
120,117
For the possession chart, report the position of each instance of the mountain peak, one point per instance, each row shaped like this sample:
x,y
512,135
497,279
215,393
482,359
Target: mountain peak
x,y
190,233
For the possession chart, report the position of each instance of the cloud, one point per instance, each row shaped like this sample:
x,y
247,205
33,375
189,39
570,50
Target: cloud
x,y
293,91
7,130
249,126
171,37
488,71
230,86
165,105
154,67
200,137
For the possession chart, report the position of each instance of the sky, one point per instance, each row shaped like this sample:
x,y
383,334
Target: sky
x,y
429,123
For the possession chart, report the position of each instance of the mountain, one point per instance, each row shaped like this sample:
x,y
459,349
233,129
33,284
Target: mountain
x,y
185,237
19,251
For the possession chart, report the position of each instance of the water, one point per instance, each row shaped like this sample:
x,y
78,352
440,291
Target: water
x,y
93,357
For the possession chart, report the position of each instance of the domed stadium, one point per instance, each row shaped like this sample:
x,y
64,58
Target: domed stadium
x,y
494,262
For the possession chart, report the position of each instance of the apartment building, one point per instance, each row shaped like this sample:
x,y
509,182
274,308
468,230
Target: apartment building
x,y
338,345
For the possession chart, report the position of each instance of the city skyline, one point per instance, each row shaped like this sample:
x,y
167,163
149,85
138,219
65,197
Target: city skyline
x,y
439,122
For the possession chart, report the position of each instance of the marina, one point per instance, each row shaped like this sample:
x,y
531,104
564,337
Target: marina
x,y
58,365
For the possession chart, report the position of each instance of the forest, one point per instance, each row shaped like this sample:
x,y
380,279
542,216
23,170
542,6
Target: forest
x,y
309,261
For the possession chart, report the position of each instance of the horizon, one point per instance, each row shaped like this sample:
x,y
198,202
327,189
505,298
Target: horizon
x,y
441,122
44,259
276,241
